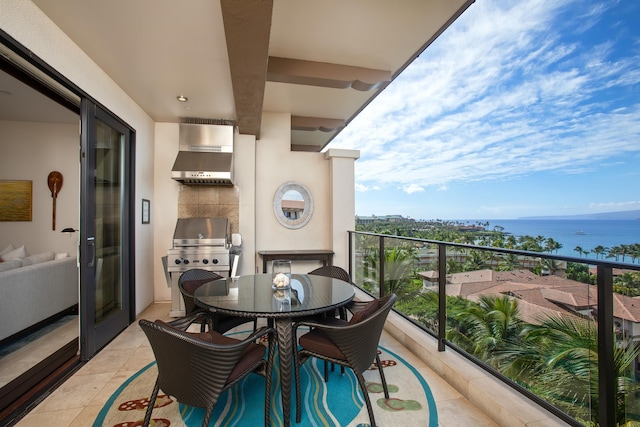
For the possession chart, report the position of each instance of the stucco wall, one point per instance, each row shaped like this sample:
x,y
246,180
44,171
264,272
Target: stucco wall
x,y
277,164
23,21
30,151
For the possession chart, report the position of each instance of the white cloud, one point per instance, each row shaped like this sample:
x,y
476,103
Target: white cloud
x,y
412,188
487,102
362,187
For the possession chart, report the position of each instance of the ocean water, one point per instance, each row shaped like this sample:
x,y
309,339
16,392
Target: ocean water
x,y
570,233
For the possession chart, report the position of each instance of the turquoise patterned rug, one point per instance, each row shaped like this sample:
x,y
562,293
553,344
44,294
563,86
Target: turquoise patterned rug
x,y
338,402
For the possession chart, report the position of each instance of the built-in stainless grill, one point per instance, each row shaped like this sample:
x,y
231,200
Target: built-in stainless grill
x,y
200,243
203,243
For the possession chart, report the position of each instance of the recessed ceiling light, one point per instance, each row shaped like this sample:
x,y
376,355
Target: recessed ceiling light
x,y
182,98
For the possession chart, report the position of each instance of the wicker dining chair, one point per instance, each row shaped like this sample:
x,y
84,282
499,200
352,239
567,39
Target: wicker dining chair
x,y
196,367
353,344
191,280
337,273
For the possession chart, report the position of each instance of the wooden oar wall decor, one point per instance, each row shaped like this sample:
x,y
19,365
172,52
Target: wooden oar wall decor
x,y
55,184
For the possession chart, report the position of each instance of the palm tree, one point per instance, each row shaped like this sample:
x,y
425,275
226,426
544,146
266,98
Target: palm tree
x,y
486,327
552,246
616,252
579,250
599,251
558,358
474,261
509,262
511,242
550,265
399,264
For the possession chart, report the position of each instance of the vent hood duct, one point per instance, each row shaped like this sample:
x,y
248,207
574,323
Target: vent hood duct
x,y
205,156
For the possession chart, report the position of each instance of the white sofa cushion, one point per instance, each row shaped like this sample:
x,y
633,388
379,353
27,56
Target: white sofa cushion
x,y
18,253
10,265
61,255
38,258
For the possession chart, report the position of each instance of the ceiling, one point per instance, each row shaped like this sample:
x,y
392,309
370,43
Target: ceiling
x,y
320,61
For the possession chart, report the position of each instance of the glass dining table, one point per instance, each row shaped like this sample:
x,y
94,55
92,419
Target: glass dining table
x,y
253,296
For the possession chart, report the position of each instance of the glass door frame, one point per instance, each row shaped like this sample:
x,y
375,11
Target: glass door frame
x,y
94,336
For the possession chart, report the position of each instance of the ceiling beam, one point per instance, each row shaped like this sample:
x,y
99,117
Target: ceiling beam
x,y
324,74
316,123
247,27
306,148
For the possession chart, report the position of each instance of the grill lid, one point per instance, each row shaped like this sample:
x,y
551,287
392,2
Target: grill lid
x,y
201,232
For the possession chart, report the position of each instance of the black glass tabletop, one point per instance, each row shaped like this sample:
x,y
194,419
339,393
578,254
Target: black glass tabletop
x,y
253,295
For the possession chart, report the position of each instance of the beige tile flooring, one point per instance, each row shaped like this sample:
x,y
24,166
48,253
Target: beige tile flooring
x,y
76,403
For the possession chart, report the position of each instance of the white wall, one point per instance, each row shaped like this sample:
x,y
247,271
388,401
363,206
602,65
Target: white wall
x,y
23,21
277,164
343,208
30,151
165,208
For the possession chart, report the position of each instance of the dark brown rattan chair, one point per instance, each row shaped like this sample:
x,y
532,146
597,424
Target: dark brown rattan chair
x,y
332,271
353,344
337,273
195,368
191,280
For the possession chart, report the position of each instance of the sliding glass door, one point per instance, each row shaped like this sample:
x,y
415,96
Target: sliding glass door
x,y
106,232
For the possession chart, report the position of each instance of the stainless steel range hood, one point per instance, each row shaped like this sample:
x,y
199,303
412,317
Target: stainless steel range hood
x,y
205,156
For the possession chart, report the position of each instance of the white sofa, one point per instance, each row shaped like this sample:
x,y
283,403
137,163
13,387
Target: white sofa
x,y
33,293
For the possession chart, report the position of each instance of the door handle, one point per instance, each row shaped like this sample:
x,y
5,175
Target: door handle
x,y
91,244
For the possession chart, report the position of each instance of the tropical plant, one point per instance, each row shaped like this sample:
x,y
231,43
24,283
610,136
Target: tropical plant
x,y
399,274
486,327
509,262
558,359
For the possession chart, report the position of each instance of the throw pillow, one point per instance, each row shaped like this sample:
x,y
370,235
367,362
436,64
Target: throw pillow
x,y
7,250
61,255
37,259
367,311
18,253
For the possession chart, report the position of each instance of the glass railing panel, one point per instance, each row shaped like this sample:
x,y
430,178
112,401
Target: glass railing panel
x,y
365,264
529,318
414,266
626,287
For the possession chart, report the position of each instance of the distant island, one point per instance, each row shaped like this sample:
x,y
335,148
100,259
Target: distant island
x,y
633,215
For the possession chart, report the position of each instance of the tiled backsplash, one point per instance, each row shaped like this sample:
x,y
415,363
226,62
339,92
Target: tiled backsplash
x,y
210,201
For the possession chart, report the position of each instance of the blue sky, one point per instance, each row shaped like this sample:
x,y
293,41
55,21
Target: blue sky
x,y
520,108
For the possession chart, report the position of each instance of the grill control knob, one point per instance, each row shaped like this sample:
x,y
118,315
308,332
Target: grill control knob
x,y
215,261
177,261
186,261
205,261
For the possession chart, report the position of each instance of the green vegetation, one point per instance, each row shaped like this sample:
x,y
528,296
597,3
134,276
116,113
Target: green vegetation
x,y
555,356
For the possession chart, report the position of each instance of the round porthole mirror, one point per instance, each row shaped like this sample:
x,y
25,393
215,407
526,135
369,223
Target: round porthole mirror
x,y
293,205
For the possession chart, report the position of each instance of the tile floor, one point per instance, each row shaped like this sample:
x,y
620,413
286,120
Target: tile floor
x,y
77,402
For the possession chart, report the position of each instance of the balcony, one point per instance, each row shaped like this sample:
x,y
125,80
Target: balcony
x,y
468,390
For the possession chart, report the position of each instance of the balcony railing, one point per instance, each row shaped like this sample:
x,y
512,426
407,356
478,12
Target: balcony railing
x,y
563,331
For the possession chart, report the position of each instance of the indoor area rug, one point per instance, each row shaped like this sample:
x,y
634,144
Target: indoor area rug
x,y
338,402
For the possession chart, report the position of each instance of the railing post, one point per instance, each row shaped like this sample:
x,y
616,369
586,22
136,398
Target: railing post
x,y
606,370
351,256
381,268
442,296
